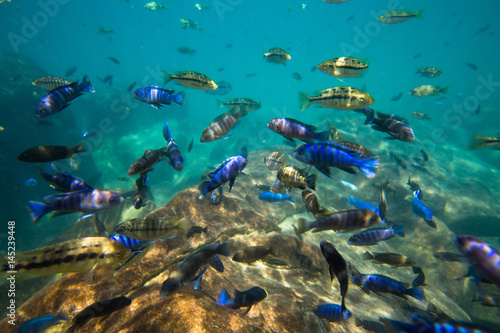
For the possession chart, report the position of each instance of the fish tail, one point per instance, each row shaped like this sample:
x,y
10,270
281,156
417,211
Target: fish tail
x,y
417,293
304,100
38,209
419,14
167,133
224,299
444,90
203,188
311,181
43,174
368,112
399,230
224,249
351,201
322,136
302,226
478,142
367,256
86,85
167,77
79,148
220,104
291,198
179,98
182,224
369,166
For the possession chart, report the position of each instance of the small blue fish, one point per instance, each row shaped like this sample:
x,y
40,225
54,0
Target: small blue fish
x,y
30,182
380,283
226,171
40,324
353,201
58,99
332,312
157,96
274,197
242,299
422,210
375,235
88,134
421,324
173,153
130,243
217,196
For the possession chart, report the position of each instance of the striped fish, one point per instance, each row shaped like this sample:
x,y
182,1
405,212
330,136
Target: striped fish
x,y
375,235
381,283
340,98
77,255
147,161
342,220
312,203
324,155
228,170
142,187
50,82
149,228
344,67
293,176
58,99
243,103
72,202
292,129
131,244
359,204
191,79
173,153
65,181
157,96
275,160
221,125
399,15
397,127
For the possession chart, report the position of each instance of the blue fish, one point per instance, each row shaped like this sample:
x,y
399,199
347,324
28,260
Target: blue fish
x,y
88,134
353,201
380,283
226,171
274,197
325,154
40,324
427,325
57,99
173,153
131,244
422,210
375,235
293,129
223,88
242,299
157,96
65,181
217,196
332,312
30,182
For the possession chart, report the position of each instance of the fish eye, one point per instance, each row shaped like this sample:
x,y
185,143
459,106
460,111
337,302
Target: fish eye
x,y
120,229
361,99
136,169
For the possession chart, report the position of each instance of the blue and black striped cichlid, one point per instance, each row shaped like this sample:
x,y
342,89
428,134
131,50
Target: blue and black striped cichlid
x,y
65,181
425,325
375,235
332,312
242,299
72,202
226,171
131,244
157,96
292,129
173,153
341,220
57,99
326,154
397,127
385,284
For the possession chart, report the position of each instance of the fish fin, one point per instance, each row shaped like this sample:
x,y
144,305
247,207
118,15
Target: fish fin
x,y
350,169
302,226
182,224
399,230
86,85
479,141
179,98
369,166
322,136
367,256
417,293
38,209
311,181
419,14
43,174
156,106
167,133
79,148
289,139
304,100
444,90
203,188
60,213
224,298
167,77
431,223
224,249
231,183
324,170
250,307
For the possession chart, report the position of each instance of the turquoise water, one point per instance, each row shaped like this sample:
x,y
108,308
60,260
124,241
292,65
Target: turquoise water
x,y
230,47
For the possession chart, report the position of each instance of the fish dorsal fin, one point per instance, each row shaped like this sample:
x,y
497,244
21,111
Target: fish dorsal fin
x,y
231,112
339,146
311,128
392,116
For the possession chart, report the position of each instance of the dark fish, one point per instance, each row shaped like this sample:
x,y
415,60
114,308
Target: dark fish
x,y
142,187
70,71
332,312
487,300
81,201
131,87
277,55
397,127
65,181
414,187
341,220
375,235
325,154
313,68
450,256
292,129
228,170
217,196
313,323
397,97
124,179
222,124
388,258
228,45
312,204
223,88
173,153
108,79
370,325
116,61
220,69
41,323
421,324
479,141
195,229
485,28
484,259
425,155
337,267
399,161
188,269
41,154
420,279
429,72
157,96
147,161
188,23
250,74
478,109
59,98
296,76
293,176
417,55
252,253
306,263
190,147
384,284
186,50
98,309
274,262
242,299
469,64
382,205
103,31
